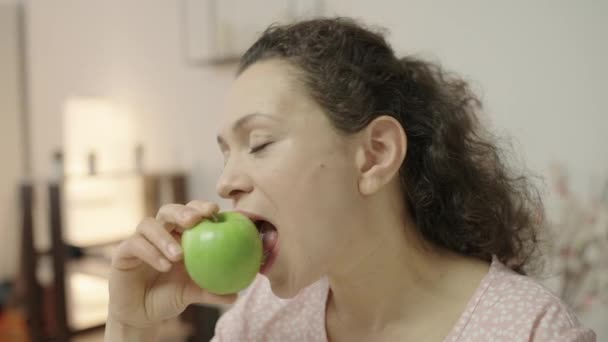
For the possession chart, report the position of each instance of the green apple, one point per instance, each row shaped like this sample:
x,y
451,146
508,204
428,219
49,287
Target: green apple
x,y
223,254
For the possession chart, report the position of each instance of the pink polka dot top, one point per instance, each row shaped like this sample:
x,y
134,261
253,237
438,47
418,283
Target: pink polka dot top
x,y
505,307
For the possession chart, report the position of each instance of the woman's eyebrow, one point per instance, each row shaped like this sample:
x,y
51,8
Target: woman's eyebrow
x,y
238,124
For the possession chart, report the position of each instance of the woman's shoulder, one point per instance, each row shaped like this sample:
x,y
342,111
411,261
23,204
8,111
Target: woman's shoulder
x,y
259,315
519,308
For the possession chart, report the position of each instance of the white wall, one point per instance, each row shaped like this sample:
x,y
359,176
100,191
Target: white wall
x,y
10,141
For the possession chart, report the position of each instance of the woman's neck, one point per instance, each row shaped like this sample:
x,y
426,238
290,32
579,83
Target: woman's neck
x,y
396,279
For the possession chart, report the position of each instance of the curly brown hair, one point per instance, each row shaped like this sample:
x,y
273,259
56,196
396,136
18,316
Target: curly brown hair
x,y
458,189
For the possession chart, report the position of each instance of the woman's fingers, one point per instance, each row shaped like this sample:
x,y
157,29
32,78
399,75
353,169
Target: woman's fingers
x,y
136,249
180,217
206,208
161,238
156,240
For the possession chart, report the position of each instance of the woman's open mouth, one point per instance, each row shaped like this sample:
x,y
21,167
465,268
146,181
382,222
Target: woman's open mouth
x,y
270,239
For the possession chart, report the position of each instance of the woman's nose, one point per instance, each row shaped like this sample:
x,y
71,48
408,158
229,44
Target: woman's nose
x,y
232,184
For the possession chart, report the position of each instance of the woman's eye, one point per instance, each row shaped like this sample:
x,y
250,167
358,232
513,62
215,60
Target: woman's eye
x,y
259,148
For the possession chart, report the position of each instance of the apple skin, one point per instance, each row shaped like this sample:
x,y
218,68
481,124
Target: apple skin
x,y
223,254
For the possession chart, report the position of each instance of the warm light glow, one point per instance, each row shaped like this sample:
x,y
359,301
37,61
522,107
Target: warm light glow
x,y
108,205
88,300
102,208
99,126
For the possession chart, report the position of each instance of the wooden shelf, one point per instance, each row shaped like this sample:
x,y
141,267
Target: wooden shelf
x,y
77,285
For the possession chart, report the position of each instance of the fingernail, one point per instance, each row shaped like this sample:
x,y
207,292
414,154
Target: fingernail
x,y
174,249
164,264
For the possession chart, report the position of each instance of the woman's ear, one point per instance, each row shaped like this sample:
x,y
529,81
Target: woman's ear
x,y
380,154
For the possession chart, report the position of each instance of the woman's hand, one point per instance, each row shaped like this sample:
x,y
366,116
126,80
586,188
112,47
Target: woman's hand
x,y
148,280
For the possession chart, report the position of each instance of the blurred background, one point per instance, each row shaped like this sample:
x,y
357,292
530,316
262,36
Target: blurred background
x,y
110,108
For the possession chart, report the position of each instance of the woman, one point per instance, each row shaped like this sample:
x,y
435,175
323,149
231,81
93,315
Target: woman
x,y
391,215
